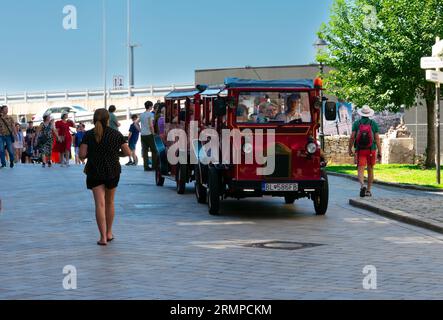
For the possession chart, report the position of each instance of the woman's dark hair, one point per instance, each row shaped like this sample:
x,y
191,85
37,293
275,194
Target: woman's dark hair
x,y
63,115
134,117
45,117
112,109
101,121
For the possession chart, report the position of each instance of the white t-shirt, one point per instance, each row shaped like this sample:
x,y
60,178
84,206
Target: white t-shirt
x,y
144,123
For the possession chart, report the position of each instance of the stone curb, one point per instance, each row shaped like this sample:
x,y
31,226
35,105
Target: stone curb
x,y
388,184
397,215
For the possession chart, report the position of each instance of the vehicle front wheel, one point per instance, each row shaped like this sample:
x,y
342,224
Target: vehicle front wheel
x,y
214,192
321,198
159,179
289,199
181,178
200,190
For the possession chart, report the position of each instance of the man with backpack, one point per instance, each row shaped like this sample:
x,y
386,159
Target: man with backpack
x,y
366,140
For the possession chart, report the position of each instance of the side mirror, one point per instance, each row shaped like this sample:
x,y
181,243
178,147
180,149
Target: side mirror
x,y
331,111
231,102
220,105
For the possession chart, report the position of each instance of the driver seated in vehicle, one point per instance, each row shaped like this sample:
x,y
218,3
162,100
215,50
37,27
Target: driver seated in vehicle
x,y
293,109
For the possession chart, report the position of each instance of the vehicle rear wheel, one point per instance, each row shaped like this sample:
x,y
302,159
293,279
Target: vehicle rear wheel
x,y
200,190
181,178
214,192
321,198
289,199
159,179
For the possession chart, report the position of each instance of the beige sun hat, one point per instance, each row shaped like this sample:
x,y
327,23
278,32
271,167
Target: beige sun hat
x,y
366,111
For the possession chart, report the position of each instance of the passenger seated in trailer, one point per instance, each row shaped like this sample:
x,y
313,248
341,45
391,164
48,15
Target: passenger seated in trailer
x,y
175,114
261,117
272,112
281,116
242,113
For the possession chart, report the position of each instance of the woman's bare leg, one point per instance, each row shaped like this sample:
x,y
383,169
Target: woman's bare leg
x,y
100,211
110,211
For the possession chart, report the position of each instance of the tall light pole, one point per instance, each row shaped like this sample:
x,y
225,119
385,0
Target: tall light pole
x,y
130,51
321,44
105,85
437,111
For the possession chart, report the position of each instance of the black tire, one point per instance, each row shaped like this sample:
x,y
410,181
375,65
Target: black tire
x,y
214,192
321,199
181,178
289,199
200,190
159,179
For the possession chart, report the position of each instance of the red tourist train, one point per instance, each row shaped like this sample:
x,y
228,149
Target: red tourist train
x,y
248,138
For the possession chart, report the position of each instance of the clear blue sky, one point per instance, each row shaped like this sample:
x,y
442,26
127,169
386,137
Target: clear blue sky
x,y
176,37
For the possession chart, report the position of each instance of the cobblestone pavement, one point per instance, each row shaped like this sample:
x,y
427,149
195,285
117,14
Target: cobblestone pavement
x,y
168,247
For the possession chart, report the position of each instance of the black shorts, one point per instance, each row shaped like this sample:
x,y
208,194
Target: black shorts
x,y
109,184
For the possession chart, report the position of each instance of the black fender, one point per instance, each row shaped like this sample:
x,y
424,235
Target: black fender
x,y
162,155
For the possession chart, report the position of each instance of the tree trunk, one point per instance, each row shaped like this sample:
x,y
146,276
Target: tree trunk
x,y
431,136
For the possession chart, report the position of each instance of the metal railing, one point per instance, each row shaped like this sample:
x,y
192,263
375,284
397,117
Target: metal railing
x,y
152,91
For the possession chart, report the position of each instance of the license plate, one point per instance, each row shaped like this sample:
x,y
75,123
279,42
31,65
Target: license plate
x,y
289,187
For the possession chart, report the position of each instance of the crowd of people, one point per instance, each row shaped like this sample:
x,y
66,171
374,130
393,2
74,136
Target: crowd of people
x,y
39,144
59,140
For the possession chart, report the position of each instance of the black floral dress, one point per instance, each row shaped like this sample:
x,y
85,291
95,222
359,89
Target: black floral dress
x,y
46,139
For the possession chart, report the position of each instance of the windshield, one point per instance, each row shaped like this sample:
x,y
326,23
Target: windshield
x,y
77,108
273,107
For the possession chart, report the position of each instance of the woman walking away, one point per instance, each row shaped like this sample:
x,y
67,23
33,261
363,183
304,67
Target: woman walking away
x,y
102,146
64,141
45,133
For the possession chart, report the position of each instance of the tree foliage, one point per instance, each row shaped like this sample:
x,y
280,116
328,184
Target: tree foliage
x,y
374,48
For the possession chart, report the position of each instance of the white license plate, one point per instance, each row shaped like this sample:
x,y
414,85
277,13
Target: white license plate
x,y
280,187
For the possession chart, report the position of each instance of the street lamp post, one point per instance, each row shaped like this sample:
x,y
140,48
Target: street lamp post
x,y
131,48
320,44
105,89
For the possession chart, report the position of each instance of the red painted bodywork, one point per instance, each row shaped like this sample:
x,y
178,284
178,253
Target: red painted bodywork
x,y
292,137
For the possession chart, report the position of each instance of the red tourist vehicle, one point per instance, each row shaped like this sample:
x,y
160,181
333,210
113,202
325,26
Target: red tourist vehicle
x,y
289,108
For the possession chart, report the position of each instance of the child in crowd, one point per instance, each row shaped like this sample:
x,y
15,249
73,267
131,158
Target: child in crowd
x,y
30,141
78,137
134,135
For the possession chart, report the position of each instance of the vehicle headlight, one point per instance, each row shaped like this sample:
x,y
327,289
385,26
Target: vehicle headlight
x,y
311,148
247,148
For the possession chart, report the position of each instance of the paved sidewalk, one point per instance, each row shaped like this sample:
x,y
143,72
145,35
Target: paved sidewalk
x,y
168,247
424,210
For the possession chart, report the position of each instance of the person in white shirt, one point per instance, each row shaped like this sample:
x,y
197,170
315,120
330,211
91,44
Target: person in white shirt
x,y
146,122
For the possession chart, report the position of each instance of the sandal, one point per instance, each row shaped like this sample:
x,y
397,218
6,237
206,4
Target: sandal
x,y
101,244
368,194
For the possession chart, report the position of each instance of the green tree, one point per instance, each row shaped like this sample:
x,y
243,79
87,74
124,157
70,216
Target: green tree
x,y
374,48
